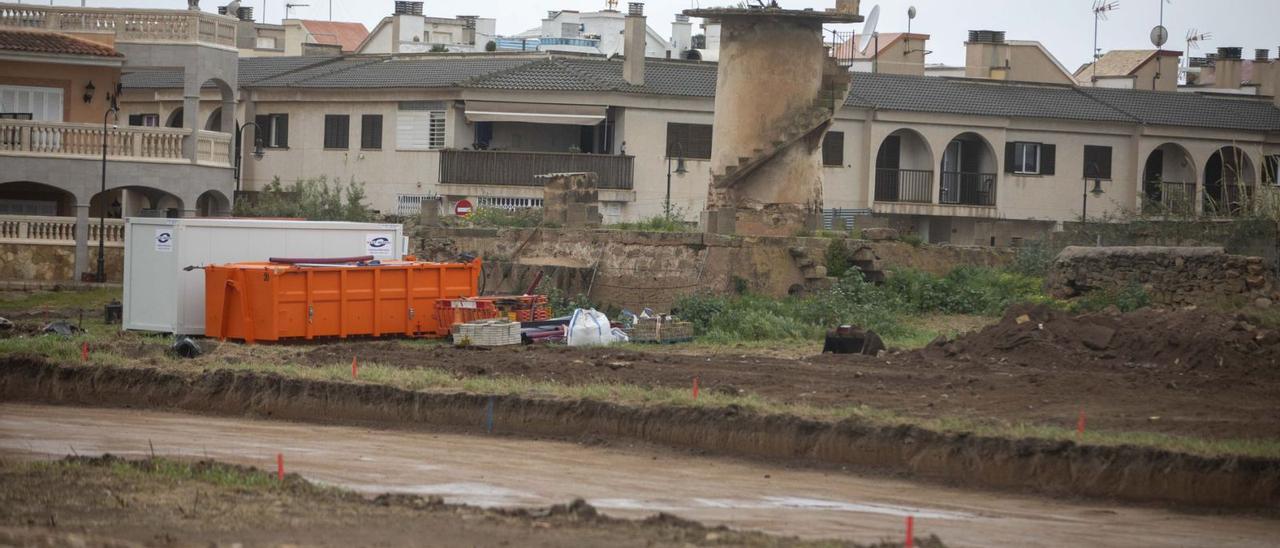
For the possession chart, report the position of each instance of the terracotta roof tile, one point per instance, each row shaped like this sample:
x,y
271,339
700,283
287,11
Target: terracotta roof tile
x,y
347,35
35,41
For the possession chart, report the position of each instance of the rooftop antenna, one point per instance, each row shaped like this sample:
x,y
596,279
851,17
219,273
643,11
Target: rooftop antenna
x,y
288,7
869,32
1194,37
1100,10
911,14
611,5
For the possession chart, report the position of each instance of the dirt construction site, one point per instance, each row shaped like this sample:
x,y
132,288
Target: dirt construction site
x,y
1156,427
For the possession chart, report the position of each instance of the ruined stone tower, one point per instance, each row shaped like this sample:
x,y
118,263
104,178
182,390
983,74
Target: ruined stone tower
x,y
777,90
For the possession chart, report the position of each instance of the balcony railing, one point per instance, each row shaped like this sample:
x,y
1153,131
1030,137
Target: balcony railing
x,y
904,185
486,167
1169,198
1230,199
129,25
34,229
137,144
961,188
577,42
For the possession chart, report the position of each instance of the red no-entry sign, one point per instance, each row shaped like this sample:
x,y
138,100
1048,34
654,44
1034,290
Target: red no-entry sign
x,y
462,208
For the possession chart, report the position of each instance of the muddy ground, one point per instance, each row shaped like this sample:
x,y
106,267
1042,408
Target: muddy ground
x,y
143,502
1185,372
1188,372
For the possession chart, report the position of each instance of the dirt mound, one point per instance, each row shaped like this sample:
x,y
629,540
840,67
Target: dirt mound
x,y
1151,337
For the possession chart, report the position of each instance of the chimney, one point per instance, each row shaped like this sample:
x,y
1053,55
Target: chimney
x,y
986,55
1228,68
1264,72
408,8
633,45
681,35
469,28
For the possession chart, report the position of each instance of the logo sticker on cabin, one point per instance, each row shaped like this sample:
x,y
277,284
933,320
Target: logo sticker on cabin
x,y
378,245
164,240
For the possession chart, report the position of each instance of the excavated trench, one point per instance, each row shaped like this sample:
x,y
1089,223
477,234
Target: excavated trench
x,y
1051,468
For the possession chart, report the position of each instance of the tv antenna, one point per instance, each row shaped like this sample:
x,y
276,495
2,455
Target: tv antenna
x,y
869,32
288,7
1100,10
611,5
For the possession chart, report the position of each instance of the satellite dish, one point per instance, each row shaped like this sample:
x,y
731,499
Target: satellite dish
x,y
869,28
1159,36
911,12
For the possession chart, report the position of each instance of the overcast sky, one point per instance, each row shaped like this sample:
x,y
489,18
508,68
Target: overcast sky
x,y
1064,26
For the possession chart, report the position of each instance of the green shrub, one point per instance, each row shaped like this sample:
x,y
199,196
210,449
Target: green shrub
x,y
656,223
965,290
500,218
914,240
1127,299
310,199
1032,258
838,258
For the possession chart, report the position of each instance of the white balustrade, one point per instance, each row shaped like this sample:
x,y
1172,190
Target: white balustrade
x,y
129,25
129,143
35,229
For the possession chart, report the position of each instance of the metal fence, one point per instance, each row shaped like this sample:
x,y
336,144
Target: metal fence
x,y
486,167
904,185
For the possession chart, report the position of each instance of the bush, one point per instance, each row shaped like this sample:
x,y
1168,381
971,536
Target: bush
x,y
310,199
656,223
1032,258
838,258
1127,299
966,290
914,240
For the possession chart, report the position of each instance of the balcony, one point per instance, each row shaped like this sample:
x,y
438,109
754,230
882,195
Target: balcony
x,y
141,26
485,167
904,185
127,143
574,42
1169,198
972,189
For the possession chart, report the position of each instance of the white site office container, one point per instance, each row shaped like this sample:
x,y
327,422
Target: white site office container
x,y
160,296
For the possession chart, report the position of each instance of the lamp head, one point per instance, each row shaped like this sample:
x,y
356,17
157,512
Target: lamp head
x,y
89,89
680,169
1097,187
258,152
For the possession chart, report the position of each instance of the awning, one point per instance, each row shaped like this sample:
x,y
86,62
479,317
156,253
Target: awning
x,y
534,113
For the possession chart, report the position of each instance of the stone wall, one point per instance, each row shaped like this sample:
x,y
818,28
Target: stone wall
x,y
54,263
1170,275
637,269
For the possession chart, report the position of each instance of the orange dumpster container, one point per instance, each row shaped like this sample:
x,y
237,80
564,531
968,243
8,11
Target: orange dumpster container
x,y
271,301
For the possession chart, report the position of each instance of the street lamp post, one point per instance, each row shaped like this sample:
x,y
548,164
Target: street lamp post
x,y
102,207
680,169
257,147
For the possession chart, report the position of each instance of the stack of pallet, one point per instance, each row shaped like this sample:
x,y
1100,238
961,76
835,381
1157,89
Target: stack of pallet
x,y
661,329
487,333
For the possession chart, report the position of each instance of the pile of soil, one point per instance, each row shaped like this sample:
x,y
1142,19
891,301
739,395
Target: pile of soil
x,y
1189,339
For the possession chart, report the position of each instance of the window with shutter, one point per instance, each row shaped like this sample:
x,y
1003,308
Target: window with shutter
x,y
371,132
1097,162
337,131
689,141
1026,158
420,125
833,149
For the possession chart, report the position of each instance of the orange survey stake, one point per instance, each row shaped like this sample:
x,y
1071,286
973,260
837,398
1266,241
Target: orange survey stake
x,y
277,301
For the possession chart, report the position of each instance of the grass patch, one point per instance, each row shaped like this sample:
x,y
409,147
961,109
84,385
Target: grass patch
x,y
656,223
33,301
887,309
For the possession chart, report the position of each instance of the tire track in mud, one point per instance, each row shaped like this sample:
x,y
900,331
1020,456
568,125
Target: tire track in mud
x,y
1046,467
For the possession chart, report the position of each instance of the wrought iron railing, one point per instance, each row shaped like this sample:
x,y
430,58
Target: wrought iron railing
x,y
904,185
1169,198
962,188
488,167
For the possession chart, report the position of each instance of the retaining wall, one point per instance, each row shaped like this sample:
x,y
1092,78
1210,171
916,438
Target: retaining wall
x,y
1170,275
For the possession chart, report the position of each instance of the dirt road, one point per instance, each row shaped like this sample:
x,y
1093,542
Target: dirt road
x,y
621,481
